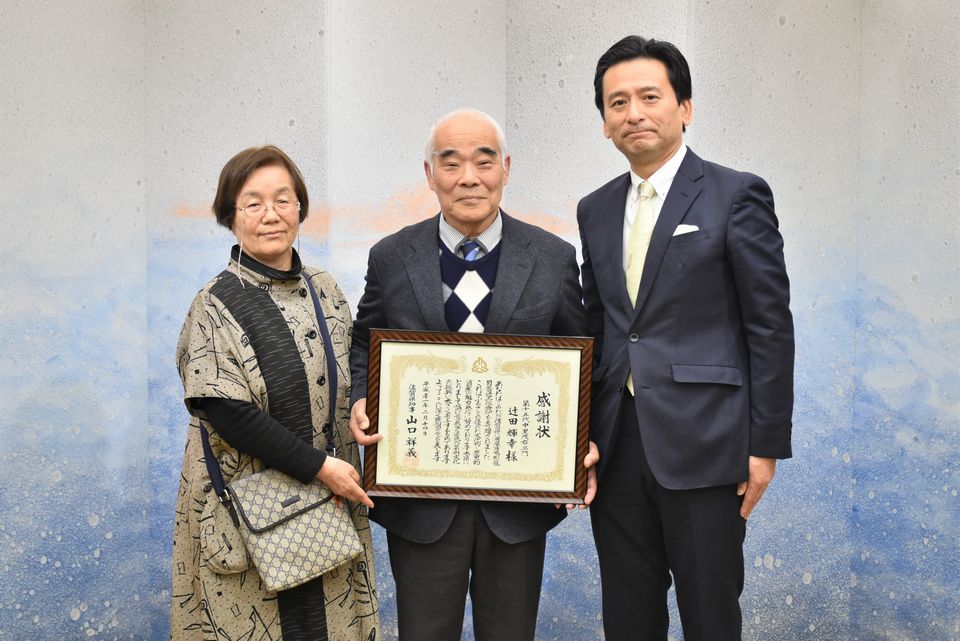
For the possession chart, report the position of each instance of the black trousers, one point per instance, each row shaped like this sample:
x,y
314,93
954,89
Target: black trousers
x,y
433,579
645,533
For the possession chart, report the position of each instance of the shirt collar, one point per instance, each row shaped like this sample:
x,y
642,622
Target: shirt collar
x,y
662,178
488,239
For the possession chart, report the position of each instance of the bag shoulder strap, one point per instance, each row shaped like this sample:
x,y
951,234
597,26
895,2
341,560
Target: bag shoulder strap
x,y
213,467
331,366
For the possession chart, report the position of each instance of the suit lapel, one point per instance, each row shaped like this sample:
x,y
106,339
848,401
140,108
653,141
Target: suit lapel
x,y
514,270
423,268
684,190
612,209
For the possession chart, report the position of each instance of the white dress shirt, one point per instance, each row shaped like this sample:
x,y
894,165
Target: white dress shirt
x,y
487,240
661,180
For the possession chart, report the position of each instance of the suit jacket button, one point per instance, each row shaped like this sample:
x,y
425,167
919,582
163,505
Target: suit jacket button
x,y
312,333
634,338
303,292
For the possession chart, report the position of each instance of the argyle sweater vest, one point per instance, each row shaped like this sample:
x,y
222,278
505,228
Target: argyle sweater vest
x,y
467,288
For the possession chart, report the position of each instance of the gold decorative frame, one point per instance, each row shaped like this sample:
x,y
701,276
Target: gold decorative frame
x,y
565,361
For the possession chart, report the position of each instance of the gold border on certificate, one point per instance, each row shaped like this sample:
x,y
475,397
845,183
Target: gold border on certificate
x,y
479,416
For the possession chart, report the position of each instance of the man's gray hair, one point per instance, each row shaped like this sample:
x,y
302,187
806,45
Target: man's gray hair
x,y
431,151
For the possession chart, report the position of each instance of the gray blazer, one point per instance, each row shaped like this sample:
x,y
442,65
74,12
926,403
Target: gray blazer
x,y
537,291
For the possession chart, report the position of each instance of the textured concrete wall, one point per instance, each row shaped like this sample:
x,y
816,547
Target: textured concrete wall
x,y
906,421
115,119
74,481
394,68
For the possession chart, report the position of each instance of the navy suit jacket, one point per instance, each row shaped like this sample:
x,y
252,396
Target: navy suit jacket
x,y
537,291
710,340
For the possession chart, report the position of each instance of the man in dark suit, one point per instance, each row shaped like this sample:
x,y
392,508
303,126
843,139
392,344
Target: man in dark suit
x,y
470,268
687,296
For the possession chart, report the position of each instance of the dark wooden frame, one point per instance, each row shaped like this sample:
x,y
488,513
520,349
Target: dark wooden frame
x,y
576,495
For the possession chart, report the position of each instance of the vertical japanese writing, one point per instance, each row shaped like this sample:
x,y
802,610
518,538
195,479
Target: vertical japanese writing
x,y
457,415
525,421
425,409
468,427
410,445
447,420
437,420
543,415
498,401
460,421
478,402
488,421
513,417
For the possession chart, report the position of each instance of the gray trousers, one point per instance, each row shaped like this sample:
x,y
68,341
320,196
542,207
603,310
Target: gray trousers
x,y
433,580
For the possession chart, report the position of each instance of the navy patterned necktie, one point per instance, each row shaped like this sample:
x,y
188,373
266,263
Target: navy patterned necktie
x,y
470,249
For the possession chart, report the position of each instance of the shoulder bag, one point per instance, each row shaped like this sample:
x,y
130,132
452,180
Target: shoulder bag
x,y
293,532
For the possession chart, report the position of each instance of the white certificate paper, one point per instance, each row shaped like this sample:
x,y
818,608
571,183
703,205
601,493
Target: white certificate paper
x,y
476,417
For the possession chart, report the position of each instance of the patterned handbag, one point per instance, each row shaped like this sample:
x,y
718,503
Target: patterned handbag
x,y
221,546
293,532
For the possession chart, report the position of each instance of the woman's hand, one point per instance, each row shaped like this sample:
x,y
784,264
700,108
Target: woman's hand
x,y
343,479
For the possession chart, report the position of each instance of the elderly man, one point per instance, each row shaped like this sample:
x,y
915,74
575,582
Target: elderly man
x,y
470,268
687,295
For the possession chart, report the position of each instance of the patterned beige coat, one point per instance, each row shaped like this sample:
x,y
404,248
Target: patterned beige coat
x,y
217,356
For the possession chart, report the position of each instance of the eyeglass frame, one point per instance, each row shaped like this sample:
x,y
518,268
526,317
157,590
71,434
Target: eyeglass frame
x,y
266,206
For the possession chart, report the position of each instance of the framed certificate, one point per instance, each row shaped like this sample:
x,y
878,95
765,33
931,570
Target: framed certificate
x,y
478,416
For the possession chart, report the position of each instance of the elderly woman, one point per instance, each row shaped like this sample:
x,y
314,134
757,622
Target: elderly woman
x,y
255,377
